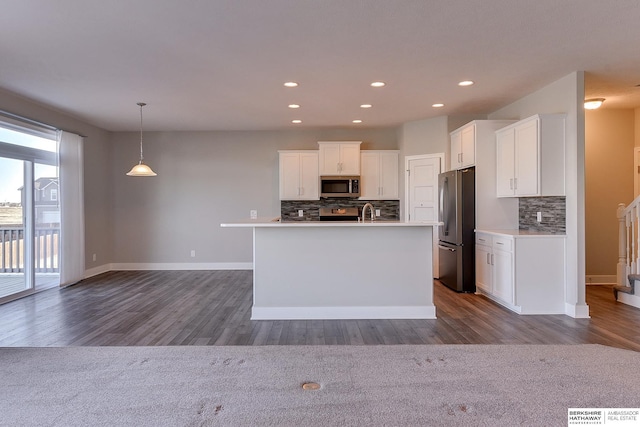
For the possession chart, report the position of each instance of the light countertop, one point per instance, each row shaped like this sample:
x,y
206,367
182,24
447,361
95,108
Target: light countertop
x,y
522,233
274,222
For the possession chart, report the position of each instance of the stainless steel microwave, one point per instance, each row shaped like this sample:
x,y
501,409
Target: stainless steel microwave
x,y
339,186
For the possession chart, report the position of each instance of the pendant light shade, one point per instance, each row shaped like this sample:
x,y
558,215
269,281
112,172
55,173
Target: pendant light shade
x,y
141,169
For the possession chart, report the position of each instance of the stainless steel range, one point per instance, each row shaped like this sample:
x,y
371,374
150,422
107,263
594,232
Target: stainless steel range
x,y
338,214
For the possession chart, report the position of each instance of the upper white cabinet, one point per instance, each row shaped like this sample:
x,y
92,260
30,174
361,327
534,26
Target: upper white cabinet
x,y
463,146
298,175
379,174
530,157
340,157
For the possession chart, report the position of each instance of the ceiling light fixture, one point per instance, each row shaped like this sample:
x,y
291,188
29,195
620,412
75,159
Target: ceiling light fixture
x,y
294,106
366,106
141,169
593,103
438,105
291,84
377,84
465,83
296,121
356,121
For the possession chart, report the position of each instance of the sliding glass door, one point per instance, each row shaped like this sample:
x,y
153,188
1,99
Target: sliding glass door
x,y
13,279
29,214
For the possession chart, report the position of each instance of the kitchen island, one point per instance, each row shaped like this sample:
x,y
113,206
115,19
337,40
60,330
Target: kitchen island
x,y
341,270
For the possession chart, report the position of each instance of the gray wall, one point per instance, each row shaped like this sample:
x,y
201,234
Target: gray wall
x,y
205,179
97,172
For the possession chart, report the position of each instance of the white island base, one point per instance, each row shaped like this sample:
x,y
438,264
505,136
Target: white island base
x,y
342,271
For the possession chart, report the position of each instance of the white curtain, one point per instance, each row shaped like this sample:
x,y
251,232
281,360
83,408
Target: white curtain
x,y
70,152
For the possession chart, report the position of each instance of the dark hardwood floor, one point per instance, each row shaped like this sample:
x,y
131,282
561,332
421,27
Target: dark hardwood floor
x,y
128,308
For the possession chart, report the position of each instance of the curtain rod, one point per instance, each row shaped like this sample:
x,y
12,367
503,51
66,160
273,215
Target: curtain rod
x,y
27,120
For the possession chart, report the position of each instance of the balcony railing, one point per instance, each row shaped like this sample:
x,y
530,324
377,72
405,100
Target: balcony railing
x,y
47,248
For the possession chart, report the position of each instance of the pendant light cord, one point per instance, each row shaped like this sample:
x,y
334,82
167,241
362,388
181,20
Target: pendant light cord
x,y
141,104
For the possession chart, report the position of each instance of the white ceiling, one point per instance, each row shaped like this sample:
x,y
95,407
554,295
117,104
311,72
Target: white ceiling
x,y
221,64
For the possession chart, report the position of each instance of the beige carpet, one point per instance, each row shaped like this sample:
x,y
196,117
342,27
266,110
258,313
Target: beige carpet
x,y
433,385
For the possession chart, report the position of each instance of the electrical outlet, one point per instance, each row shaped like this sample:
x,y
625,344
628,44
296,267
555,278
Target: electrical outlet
x,y
539,216
193,253
94,257
300,213
253,214
377,212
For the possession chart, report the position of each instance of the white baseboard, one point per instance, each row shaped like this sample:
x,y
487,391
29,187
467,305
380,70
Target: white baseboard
x,y
167,266
629,299
183,266
601,279
336,313
577,311
97,270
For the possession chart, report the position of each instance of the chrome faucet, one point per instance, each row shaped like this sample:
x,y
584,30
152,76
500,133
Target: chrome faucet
x,y
364,209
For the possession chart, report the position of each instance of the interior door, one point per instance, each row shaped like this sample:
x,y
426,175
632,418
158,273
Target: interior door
x,y
423,189
421,194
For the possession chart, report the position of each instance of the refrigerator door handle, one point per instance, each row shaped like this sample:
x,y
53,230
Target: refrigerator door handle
x,y
446,248
443,212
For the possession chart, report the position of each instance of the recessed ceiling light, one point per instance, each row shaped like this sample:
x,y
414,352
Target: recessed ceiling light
x,y
294,106
291,84
465,83
438,105
366,106
356,121
377,84
296,121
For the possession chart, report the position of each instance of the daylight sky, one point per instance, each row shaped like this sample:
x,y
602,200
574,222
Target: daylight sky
x,y
11,170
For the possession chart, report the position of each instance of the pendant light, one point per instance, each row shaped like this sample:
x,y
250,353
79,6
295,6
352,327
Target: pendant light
x,y
141,169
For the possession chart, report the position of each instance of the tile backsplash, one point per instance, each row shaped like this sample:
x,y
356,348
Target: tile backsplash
x,y
389,209
553,211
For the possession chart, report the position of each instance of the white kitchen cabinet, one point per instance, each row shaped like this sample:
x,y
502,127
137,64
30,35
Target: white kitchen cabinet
x,y
339,157
379,174
522,270
463,146
299,179
494,267
484,269
530,157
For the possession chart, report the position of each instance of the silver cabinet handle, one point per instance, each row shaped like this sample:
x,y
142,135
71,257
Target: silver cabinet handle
x,y
488,258
492,259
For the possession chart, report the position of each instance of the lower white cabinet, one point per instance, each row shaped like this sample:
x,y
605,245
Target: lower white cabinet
x,y
524,271
494,266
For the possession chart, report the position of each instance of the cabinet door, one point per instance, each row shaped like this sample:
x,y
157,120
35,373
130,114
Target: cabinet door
x,y
309,179
349,159
329,159
456,150
289,176
503,275
370,176
483,269
468,144
527,159
388,176
505,163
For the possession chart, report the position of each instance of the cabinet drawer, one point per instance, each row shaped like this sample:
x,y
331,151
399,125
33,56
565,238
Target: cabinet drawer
x,y
503,243
483,239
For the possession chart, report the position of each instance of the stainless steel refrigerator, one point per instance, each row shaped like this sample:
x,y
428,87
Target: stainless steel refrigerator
x,y
456,240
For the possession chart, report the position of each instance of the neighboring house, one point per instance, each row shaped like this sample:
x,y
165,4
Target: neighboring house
x,y
46,197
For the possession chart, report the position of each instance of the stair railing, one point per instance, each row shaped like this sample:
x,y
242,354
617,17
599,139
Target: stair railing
x,y
629,241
